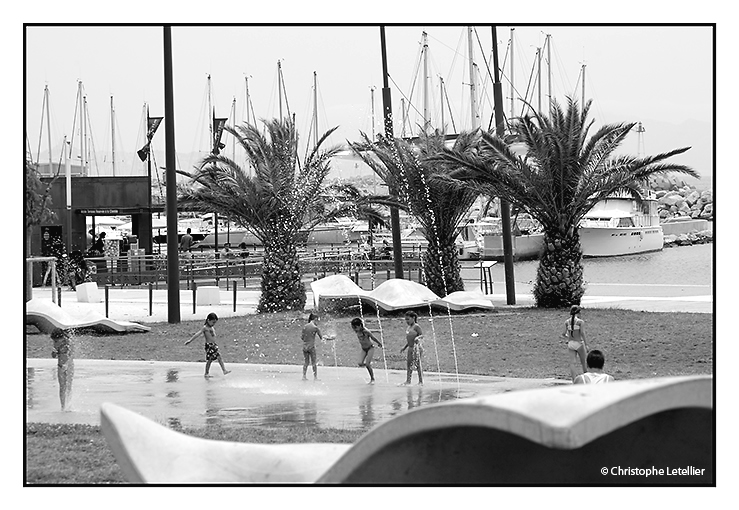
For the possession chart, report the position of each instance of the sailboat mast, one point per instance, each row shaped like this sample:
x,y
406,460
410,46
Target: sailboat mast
x,y
473,93
279,86
424,51
112,133
233,116
441,103
372,106
512,86
538,76
48,127
549,67
211,115
583,86
315,109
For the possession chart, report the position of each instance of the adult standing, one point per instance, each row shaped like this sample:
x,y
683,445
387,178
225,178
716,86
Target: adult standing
x,y
186,242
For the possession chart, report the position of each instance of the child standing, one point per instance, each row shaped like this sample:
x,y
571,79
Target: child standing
x,y
413,337
365,338
574,333
65,363
211,347
310,331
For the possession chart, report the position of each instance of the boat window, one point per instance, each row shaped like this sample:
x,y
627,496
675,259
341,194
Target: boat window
x,y
625,222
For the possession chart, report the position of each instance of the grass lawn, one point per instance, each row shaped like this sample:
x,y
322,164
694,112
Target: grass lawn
x,y
516,342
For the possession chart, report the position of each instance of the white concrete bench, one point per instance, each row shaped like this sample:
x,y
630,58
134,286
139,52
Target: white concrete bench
x,y
208,295
568,434
88,292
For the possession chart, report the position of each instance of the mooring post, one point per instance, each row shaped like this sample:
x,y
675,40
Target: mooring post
x,y
234,296
151,299
107,300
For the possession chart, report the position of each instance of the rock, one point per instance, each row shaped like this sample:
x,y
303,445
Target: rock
x,y
670,199
707,212
692,197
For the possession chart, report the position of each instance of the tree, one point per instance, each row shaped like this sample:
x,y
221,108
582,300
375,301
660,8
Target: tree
x,y
280,199
560,176
438,207
37,211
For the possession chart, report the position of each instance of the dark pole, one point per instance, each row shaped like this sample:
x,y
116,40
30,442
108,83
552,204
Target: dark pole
x,y
505,207
173,269
388,115
148,173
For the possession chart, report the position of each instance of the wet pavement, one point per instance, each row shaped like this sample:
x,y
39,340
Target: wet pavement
x,y
177,394
273,395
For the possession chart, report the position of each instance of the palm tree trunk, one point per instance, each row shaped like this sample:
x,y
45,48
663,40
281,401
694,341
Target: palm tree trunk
x,y
441,269
559,278
282,288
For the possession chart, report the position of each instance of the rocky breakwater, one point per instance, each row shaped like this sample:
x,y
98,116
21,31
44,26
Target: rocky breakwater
x,y
686,214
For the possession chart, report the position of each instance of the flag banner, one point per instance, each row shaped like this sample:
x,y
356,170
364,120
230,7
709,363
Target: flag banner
x,y
143,152
218,125
153,124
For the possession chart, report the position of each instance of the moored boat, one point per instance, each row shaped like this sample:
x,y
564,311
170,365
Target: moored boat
x,y
621,226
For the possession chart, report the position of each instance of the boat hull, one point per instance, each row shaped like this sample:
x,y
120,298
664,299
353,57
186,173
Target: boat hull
x,y
609,242
524,247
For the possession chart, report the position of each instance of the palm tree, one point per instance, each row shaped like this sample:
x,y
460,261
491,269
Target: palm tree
x,y
561,176
439,208
282,198
37,211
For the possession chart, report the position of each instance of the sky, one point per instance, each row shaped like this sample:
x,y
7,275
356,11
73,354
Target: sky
x,y
661,76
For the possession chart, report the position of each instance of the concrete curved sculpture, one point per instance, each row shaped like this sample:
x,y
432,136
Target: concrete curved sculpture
x,y
47,316
574,434
339,291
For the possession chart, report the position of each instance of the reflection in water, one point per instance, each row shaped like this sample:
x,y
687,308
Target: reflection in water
x,y
212,407
173,375
366,411
30,378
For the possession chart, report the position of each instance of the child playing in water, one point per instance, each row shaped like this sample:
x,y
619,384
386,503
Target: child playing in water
x,y
65,363
310,331
413,337
365,338
211,347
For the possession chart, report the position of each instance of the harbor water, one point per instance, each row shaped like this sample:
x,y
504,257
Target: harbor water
x,y
668,272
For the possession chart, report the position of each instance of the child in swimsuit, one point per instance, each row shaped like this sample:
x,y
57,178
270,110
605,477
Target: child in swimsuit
x,y
365,338
211,347
574,333
310,331
413,337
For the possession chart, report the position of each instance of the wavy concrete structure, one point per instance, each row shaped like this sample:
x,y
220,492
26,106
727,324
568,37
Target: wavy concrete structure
x,y
574,434
47,316
339,291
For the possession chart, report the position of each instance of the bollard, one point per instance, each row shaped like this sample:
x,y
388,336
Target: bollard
x,y
194,290
234,296
151,299
107,300
356,277
59,296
